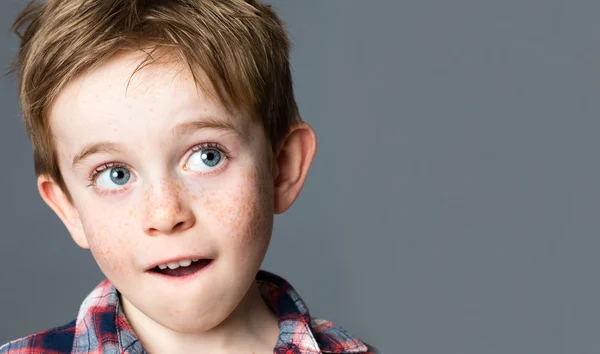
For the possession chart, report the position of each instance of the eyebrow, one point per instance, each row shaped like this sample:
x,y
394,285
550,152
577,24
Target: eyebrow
x,y
97,148
182,129
189,128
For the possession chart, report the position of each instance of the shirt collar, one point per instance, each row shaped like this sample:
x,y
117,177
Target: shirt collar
x,y
101,326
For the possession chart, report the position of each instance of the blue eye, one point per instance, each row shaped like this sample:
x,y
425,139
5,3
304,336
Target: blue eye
x,y
204,160
118,176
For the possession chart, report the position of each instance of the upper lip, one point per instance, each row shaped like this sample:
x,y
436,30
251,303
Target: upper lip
x,y
176,259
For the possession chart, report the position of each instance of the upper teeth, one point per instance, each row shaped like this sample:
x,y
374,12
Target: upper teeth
x,y
181,263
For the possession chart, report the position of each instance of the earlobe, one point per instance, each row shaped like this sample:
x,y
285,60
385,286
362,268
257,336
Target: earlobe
x,y
58,201
292,164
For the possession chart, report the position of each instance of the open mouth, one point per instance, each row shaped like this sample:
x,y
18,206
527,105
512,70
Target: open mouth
x,y
182,268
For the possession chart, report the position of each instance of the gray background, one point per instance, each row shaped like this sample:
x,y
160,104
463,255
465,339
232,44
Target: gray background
x,y
453,203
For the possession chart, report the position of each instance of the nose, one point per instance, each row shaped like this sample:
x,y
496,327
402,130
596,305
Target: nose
x,y
167,212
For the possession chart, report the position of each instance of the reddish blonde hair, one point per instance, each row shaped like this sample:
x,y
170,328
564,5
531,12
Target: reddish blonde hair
x,y
240,45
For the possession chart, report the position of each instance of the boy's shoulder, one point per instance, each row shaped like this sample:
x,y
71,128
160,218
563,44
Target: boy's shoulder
x,y
53,341
332,338
299,331
90,326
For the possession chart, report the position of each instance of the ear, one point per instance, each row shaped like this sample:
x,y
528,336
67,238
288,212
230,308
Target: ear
x,y
58,201
292,163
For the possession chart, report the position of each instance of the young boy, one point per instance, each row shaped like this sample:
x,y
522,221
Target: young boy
x,y
165,137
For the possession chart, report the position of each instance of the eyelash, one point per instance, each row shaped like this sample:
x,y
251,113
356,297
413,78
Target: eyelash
x,y
204,146
98,170
214,146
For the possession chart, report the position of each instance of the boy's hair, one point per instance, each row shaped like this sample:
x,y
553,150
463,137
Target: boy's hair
x,y
241,45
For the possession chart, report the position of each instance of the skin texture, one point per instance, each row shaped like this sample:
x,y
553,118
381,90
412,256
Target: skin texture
x,y
173,205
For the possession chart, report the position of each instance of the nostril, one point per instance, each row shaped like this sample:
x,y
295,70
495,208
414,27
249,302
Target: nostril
x,y
182,225
179,226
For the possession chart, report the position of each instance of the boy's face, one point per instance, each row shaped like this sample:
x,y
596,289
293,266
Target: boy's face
x,y
177,177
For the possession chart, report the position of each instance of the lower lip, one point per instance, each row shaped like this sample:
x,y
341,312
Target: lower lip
x,y
183,278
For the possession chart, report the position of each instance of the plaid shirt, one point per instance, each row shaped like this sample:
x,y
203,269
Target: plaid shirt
x,y
101,327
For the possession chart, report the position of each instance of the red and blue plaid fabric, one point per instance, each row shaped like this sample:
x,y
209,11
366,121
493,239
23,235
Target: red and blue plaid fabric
x,y
101,327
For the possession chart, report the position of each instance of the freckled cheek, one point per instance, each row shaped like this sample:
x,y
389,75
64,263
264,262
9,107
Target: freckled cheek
x,y
243,213
111,244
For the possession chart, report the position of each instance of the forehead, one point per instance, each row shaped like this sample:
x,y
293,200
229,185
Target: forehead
x,y
116,100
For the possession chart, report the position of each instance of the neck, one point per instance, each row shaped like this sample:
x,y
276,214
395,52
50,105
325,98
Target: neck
x,y
252,327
